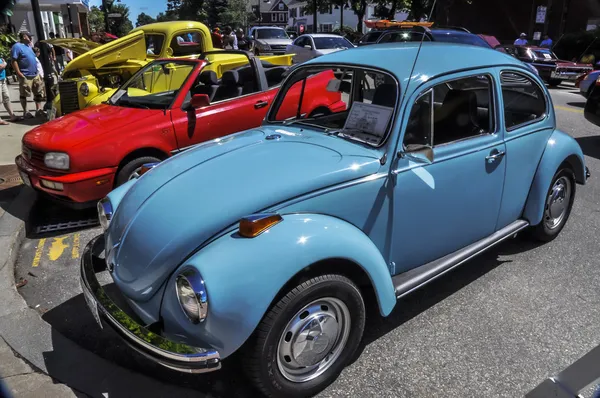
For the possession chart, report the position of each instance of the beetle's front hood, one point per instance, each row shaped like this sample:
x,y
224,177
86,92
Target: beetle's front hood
x,y
178,205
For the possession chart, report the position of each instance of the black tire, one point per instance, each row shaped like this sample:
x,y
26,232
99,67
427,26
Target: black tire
x,y
554,82
127,170
543,232
589,91
263,348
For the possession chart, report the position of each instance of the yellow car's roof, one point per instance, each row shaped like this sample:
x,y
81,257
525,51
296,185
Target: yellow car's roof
x,y
171,27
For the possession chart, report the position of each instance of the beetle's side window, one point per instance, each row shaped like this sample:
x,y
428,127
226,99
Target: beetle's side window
x,y
524,100
462,108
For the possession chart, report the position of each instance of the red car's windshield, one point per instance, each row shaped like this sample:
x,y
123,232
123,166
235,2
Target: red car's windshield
x,y
153,87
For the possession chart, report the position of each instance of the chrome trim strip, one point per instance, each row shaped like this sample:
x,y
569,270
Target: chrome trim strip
x,y
416,278
174,355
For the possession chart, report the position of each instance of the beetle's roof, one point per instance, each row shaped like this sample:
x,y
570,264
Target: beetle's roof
x,y
435,58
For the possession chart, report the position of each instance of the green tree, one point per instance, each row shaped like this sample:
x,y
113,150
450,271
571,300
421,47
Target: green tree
x,y
96,19
144,19
214,11
163,17
360,8
237,14
122,25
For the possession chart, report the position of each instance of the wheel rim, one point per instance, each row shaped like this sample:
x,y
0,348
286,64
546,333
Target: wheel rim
x,y
557,203
135,173
313,339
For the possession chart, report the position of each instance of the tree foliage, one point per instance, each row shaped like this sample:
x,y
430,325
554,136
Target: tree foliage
x,y
144,19
96,19
237,15
122,25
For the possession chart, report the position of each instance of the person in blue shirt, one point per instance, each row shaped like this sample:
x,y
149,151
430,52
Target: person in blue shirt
x,y
522,40
547,42
24,63
5,94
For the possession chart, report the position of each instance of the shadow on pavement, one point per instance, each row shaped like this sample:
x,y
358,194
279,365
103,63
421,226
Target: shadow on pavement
x,y
48,219
579,104
72,320
590,146
438,290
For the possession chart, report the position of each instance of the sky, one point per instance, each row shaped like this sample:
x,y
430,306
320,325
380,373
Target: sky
x,y
136,7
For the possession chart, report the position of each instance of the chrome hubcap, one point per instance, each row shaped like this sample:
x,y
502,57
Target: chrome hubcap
x,y
135,174
557,202
313,340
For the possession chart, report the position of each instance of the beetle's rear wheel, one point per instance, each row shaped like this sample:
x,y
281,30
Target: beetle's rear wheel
x,y
305,340
557,206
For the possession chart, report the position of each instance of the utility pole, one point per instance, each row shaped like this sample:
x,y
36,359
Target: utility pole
x,y
315,23
44,55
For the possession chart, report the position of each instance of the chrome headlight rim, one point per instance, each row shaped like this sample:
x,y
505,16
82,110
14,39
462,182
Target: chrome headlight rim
x,y
51,159
105,213
84,89
191,279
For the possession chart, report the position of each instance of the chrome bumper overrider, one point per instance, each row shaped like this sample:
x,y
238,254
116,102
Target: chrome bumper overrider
x,y
587,173
173,355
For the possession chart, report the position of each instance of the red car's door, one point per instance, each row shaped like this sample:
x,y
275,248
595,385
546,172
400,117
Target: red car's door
x,y
227,115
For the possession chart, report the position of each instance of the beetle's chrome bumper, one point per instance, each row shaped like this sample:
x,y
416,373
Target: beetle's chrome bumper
x,y
173,355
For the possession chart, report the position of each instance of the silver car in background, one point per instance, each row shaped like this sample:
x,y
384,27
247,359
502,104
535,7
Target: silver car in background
x,y
309,46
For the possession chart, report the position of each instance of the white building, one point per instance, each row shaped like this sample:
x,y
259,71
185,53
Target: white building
x,y
65,17
331,20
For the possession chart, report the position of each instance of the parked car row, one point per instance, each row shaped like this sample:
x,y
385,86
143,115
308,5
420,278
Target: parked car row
x,y
296,192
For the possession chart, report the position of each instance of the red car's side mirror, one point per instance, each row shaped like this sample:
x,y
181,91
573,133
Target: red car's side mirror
x,y
200,101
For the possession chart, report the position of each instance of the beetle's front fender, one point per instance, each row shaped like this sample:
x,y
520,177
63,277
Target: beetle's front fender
x,y
243,276
561,147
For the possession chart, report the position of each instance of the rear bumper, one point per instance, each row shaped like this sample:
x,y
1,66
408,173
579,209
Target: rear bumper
x,y
78,188
173,355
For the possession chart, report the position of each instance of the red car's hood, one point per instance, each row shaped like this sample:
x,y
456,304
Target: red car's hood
x,y
78,127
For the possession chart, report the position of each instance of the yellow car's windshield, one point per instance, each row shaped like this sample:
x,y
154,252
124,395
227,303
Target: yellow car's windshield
x,y
155,86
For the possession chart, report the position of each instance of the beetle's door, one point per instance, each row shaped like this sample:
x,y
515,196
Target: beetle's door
x,y
447,201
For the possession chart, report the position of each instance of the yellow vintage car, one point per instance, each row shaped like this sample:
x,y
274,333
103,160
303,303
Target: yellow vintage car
x,y
93,76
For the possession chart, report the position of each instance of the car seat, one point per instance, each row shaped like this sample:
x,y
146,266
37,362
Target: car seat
x,y
457,117
275,75
385,95
230,86
207,84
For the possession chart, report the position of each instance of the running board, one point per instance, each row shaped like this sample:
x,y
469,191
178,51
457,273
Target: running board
x,y
411,280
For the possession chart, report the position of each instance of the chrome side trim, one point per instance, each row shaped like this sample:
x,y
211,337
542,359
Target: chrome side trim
x,y
173,355
411,280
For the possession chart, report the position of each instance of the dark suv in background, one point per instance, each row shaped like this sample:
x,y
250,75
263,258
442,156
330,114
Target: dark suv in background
x,y
442,34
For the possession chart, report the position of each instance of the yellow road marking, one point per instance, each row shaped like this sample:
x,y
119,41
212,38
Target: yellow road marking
x,y
38,253
75,250
57,248
567,108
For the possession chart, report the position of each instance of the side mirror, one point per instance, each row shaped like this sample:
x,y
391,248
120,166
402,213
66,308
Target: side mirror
x,y
308,46
199,101
418,153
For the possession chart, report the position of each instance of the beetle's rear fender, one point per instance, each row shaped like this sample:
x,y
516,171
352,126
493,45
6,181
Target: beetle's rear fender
x,y
560,148
243,276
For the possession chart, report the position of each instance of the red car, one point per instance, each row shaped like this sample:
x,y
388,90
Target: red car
x,y
168,106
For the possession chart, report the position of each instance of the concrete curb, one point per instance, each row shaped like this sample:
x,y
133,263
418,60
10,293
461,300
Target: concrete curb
x,y
32,338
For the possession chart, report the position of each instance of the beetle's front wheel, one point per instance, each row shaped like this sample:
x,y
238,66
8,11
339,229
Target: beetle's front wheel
x,y
305,340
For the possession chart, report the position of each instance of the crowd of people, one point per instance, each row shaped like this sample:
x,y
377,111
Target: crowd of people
x,y
25,61
230,39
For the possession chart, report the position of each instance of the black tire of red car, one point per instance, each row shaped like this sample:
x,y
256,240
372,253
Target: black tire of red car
x,y
546,230
130,167
295,311
554,82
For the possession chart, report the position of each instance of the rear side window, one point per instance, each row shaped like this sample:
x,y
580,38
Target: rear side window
x,y
524,100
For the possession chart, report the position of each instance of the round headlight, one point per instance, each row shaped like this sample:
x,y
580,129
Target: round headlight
x,y
192,296
105,213
84,89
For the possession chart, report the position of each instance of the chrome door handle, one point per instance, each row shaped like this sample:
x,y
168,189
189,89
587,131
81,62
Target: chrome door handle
x,y
261,104
495,156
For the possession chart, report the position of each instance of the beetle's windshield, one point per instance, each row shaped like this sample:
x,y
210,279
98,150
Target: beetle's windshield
x,y
349,102
153,87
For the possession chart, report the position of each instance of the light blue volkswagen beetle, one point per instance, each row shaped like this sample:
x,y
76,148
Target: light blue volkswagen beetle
x,y
269,240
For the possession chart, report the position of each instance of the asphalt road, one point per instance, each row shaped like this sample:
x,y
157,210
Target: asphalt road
x,y
496,327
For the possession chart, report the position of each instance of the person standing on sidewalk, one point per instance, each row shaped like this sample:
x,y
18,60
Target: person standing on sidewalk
x,y
5,94
24,63
60,54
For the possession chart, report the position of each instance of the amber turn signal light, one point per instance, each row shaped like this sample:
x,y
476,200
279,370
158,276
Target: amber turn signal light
x,y
254,225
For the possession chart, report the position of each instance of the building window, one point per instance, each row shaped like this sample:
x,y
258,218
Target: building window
x,y
293,12
280,6
273,17
281,17
326,27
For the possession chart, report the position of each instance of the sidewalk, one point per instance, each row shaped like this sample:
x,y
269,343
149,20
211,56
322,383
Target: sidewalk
x,y
22,381
10,136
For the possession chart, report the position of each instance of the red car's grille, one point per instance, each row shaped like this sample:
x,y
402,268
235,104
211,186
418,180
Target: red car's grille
x,y
33,156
